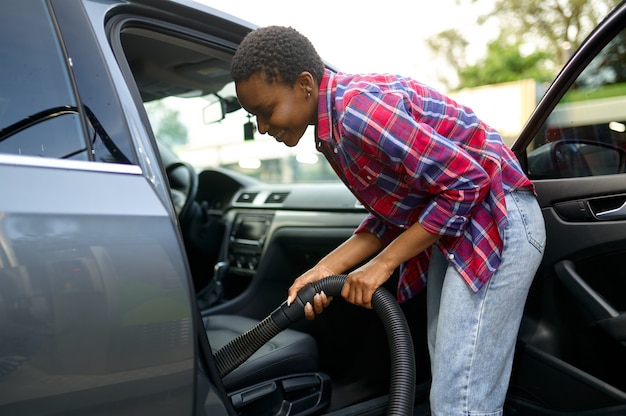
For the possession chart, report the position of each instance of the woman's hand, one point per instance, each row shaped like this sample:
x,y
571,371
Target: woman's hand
x,y
350,253
363,282
320,300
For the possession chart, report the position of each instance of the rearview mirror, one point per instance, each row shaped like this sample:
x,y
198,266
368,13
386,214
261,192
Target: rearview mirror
x,y
213,113
217,110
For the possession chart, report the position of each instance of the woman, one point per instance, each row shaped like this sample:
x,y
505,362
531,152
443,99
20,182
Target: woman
x,y
448,203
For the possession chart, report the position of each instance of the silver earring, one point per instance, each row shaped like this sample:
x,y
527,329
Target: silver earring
x,y
308,95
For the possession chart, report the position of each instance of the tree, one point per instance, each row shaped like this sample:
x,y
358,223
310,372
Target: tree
x,y
452,44
559,26
505,62
551,28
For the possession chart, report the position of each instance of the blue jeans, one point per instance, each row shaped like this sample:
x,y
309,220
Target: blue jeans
x,y
472,336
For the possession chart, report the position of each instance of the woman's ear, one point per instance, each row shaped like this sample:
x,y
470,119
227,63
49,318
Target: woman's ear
x,y
306,83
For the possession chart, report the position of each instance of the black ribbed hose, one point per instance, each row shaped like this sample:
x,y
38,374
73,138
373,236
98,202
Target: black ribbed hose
x,y
402,386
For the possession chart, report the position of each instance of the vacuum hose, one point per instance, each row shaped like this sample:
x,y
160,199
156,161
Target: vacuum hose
x,y
402,385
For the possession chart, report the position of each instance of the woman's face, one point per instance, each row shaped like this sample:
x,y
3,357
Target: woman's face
x,y
282,111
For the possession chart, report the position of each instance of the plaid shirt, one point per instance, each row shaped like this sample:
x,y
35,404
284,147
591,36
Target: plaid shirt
x,y
410,154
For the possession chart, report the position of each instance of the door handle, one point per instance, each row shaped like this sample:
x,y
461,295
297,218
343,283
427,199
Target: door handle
x,y
618,213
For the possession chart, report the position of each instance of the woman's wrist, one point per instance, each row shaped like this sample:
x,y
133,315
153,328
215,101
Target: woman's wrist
x,y
327,270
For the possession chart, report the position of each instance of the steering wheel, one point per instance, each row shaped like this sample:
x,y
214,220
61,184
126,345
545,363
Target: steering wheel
x,y
184,213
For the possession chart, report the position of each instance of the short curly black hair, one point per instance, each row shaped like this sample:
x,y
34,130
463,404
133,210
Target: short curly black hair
x,y
281,52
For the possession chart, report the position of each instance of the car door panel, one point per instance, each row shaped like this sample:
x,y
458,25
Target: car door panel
x,y
572,219
570,354
95,299
602,312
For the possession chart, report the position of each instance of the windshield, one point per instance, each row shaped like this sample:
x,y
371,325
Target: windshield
x,y
187,126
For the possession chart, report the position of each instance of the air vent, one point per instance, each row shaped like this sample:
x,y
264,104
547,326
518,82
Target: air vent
x,y
276,197
247,197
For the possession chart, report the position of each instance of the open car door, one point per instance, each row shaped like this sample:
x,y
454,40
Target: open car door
x,y
572,350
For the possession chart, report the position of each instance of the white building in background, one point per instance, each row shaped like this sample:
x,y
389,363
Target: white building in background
x,y
506,107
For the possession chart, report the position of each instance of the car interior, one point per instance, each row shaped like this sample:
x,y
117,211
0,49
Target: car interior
x,y
247,240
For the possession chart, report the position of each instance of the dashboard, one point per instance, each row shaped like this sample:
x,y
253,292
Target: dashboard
x,y
273,233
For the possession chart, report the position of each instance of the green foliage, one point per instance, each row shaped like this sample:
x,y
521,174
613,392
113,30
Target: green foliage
x,y
452,44
606,91
553,29
559,26
504,63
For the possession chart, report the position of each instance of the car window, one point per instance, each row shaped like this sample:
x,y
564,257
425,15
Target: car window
x,y
38,111
186,126
585,135
184,84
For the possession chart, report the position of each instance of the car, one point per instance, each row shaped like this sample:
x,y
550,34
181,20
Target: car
x,y
140,276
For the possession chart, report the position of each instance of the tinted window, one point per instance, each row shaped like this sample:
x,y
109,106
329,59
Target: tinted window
x,y
38,110
586,133
109,135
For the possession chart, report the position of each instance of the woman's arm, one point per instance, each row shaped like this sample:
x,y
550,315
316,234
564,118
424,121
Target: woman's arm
x,y
363,282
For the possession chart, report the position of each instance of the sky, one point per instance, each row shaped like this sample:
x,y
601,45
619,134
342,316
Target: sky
x,y
374,36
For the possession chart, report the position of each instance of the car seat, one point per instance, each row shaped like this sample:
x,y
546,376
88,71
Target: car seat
x,y
290,352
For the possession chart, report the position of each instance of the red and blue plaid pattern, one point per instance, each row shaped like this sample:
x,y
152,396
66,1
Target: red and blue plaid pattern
x,y
409,154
